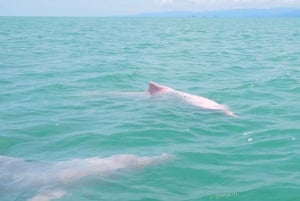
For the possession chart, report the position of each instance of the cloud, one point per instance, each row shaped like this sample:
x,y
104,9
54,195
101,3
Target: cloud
x,y
166,2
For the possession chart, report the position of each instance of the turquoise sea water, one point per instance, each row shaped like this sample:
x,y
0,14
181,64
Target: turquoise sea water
x,y
66,93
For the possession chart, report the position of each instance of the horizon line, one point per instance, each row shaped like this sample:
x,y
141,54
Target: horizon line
x,y
189,13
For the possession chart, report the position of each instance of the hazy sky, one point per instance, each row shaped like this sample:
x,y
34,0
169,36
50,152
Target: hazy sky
x,y
128,7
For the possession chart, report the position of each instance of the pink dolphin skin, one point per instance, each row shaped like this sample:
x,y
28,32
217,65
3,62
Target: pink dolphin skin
x,y
198,101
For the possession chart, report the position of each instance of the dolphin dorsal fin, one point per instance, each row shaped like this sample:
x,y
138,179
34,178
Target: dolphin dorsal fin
x,y
155,88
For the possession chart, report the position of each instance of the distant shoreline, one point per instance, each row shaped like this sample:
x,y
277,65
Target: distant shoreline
x,y
274,12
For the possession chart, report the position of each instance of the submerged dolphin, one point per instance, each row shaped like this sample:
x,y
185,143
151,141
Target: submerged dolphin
x,y
44,181
198,101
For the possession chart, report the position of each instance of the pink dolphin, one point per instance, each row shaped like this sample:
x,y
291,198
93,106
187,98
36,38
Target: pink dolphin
x,y
198,101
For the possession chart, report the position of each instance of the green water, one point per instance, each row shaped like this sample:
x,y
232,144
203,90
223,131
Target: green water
x,y
61,97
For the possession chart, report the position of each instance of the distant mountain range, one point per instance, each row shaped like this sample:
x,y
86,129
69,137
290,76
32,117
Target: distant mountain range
x,y
275,12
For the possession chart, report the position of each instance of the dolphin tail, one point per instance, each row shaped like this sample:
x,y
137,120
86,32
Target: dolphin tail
x,y
229,113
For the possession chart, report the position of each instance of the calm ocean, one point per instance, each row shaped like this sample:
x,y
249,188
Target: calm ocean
x,y
66,95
